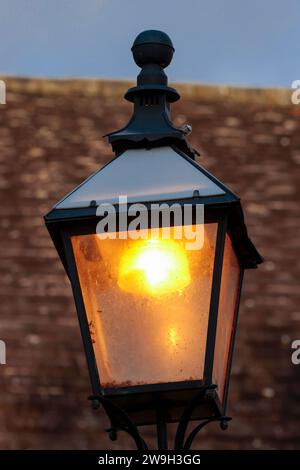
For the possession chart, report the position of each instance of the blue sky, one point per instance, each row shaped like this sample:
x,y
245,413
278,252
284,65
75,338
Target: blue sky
x,y
217,41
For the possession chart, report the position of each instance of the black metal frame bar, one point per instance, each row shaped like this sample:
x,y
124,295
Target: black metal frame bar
x,y
232,340
214,302
82,318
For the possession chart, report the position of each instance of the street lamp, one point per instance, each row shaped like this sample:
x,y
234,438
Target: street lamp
x,y
155,248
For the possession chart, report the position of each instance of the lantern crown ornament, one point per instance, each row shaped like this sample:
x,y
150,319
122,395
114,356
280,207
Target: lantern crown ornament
x,y
155,248
150,125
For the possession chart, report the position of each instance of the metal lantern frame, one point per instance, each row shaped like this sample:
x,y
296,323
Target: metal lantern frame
x,y
161,403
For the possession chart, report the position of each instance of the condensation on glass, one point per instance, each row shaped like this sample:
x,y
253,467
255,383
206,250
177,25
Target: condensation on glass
x,y
147,304
227,307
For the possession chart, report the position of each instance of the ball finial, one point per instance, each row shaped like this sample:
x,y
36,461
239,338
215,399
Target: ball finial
x,y
152,47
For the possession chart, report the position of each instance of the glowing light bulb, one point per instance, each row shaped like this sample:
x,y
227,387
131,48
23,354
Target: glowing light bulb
x,y
154,267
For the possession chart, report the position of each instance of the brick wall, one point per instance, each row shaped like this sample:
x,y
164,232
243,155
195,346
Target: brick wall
x,y
50,139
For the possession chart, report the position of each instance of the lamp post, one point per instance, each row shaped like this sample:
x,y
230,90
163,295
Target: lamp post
x,y
155,248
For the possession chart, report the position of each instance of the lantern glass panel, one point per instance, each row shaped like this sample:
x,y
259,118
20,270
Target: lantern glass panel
x,y
227,307
147,302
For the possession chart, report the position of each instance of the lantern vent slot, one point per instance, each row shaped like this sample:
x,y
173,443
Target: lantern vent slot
x,y
149,100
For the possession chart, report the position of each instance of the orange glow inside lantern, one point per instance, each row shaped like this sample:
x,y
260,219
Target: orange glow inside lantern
x,y
154,267
147,305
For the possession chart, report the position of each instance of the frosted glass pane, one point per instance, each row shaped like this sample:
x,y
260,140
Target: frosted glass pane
x,y
147,304
227,303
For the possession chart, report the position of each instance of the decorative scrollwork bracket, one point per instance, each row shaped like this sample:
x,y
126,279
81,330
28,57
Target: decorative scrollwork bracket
x,y
117,415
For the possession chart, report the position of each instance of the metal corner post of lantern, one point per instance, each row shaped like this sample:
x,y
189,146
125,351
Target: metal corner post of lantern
x,y
158,320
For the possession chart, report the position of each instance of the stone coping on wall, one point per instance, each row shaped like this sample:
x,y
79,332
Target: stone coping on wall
x,y
117,88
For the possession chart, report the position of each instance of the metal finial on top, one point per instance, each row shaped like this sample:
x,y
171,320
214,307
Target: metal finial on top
x,y
151,125
152,47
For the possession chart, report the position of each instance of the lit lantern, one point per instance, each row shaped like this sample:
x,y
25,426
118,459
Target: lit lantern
x,y
155,248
